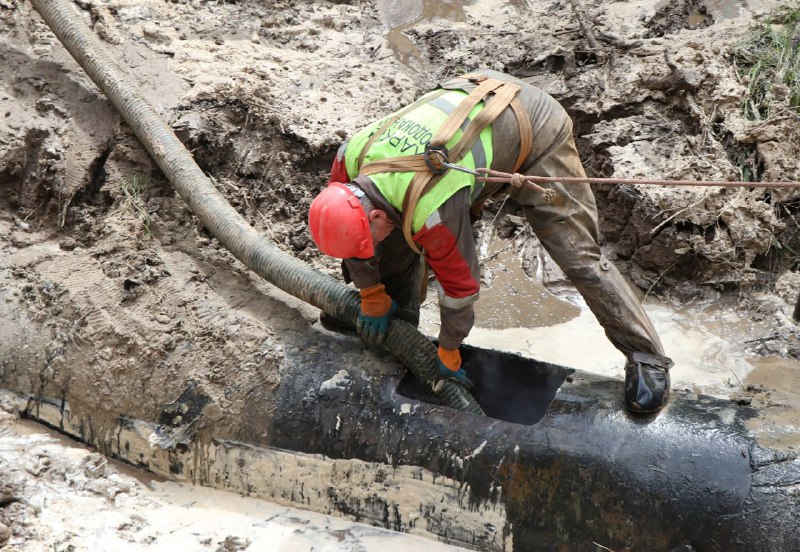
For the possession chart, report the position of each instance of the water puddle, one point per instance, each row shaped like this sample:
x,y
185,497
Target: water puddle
x,y
515,300
697,19
723,9
400,16
775,384
518,314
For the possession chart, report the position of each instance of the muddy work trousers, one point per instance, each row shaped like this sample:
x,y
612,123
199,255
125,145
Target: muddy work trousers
x,y
567,228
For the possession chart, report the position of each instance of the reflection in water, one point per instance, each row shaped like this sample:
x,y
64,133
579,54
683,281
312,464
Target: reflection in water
x,y
515,300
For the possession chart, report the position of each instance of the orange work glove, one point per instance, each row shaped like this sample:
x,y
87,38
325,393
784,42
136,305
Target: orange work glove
x,y
375,301
450,359
448,363
376,310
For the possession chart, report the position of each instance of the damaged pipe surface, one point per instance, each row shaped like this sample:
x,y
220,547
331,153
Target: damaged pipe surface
x,y
216,214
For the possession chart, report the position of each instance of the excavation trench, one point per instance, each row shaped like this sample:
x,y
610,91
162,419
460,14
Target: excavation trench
x,y
557,463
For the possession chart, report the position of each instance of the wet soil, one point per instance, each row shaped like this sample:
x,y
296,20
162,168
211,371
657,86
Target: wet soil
x,y
59,495
113,297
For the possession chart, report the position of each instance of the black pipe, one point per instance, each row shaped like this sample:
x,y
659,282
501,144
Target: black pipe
x,y
566,467
293,276
569,464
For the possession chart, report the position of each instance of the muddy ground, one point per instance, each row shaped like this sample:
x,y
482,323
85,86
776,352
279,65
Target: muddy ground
x,y
114,296
82,500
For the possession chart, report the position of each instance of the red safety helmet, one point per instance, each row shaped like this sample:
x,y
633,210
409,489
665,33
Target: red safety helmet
x,y
339,224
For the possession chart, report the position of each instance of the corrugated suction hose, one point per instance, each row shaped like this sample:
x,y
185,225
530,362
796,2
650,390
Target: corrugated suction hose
x,y
293,276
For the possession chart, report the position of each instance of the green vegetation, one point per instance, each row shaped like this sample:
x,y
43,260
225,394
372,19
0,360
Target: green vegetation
x,y
768,59
133,186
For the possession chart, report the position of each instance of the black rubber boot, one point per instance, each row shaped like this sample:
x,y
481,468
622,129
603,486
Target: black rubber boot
x,y
646,382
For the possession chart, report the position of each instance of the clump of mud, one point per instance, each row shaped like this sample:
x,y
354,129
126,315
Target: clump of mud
x,y
672,17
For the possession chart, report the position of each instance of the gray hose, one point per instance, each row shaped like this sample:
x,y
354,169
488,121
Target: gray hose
x,y
293,276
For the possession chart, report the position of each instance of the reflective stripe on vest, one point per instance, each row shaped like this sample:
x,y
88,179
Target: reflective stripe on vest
x,y
408,136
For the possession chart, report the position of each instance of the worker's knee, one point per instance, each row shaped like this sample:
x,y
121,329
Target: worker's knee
x,y
573,246
588,270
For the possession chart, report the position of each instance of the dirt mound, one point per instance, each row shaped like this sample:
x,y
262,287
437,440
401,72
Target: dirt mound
x,y
263,103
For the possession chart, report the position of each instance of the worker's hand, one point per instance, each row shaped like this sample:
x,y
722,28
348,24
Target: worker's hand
x,y
376,310
448,363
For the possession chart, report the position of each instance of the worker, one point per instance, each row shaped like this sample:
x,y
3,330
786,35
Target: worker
x,y
394,194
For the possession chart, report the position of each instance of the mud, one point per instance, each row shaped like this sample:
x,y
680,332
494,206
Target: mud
x,y
59,495
113,298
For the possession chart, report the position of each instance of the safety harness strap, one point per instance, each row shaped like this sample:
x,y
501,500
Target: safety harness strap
x,y
389,122
487,115
525,146
409,163
525,133
523,120
396,164
427,168
456,118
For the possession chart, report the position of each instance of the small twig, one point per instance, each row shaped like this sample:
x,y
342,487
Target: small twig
x,y
73,333
741,386
486,239
618,42
587,29
499,210
678,212
509,244
646,295
788,212
601,546
763,340
32,212
566,31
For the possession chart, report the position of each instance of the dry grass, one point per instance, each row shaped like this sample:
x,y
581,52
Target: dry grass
x,y
768,60
133,186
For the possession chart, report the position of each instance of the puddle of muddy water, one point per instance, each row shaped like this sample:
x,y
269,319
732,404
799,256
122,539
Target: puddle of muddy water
x,y
520,315
399,16
709,346
776,387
